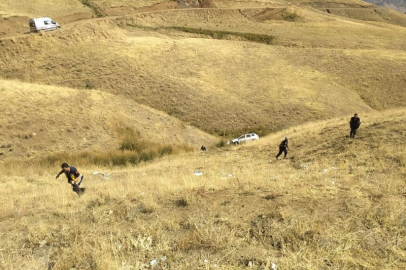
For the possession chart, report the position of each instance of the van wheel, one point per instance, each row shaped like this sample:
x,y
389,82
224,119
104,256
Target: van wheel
x,y
236,143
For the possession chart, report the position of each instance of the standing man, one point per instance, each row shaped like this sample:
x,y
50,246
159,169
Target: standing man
x,y
73,176
283,148
355,123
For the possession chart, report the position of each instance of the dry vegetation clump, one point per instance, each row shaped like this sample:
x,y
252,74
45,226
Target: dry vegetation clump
x,y
132,151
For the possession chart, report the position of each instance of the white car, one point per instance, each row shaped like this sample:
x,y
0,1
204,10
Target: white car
x,y
43,24
246,138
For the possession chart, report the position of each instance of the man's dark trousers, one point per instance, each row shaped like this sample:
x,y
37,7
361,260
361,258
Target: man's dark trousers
x,y
353,132
282,150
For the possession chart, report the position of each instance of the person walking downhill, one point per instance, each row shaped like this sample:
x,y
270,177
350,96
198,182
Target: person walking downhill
x,y
355,123
283,148
73,176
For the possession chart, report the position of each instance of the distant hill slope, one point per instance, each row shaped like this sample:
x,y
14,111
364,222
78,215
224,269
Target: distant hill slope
x,y
316,67
41,8
399,5
38,120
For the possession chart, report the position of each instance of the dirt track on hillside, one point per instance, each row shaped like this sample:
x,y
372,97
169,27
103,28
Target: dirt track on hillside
x,y
8,32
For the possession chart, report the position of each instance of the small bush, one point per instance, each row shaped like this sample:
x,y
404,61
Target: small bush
x,y
133,144
166,150
222,143
182,202
291,17
90,85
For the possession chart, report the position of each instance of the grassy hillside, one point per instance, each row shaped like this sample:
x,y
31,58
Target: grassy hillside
x,y
211,68
41,120
334,204
125,82
61,8
14,15
41,8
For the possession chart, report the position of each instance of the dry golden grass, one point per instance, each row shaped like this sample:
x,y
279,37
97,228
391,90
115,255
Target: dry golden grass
x,y
41,8
319,66
334,204
337,204
62,8
105,4
41,120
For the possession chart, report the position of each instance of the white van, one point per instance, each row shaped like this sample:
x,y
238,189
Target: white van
x,y
43,24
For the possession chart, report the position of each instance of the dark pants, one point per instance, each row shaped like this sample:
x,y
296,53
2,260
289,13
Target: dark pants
x,y
282,150
353,132
78,190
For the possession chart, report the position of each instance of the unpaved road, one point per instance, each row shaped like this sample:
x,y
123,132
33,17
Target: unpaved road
x,y
148,10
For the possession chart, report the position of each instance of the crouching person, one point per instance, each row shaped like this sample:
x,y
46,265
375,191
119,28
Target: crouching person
x,y
73,176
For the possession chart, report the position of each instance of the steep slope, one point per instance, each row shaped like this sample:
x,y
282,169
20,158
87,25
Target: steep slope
x,y
336,203
39,120
227,70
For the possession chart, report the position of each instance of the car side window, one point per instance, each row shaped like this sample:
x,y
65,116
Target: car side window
x,y
248,135
53,22
46,22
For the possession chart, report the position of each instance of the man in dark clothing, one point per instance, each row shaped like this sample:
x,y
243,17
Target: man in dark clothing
x,y
283,148
73,176
355,123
